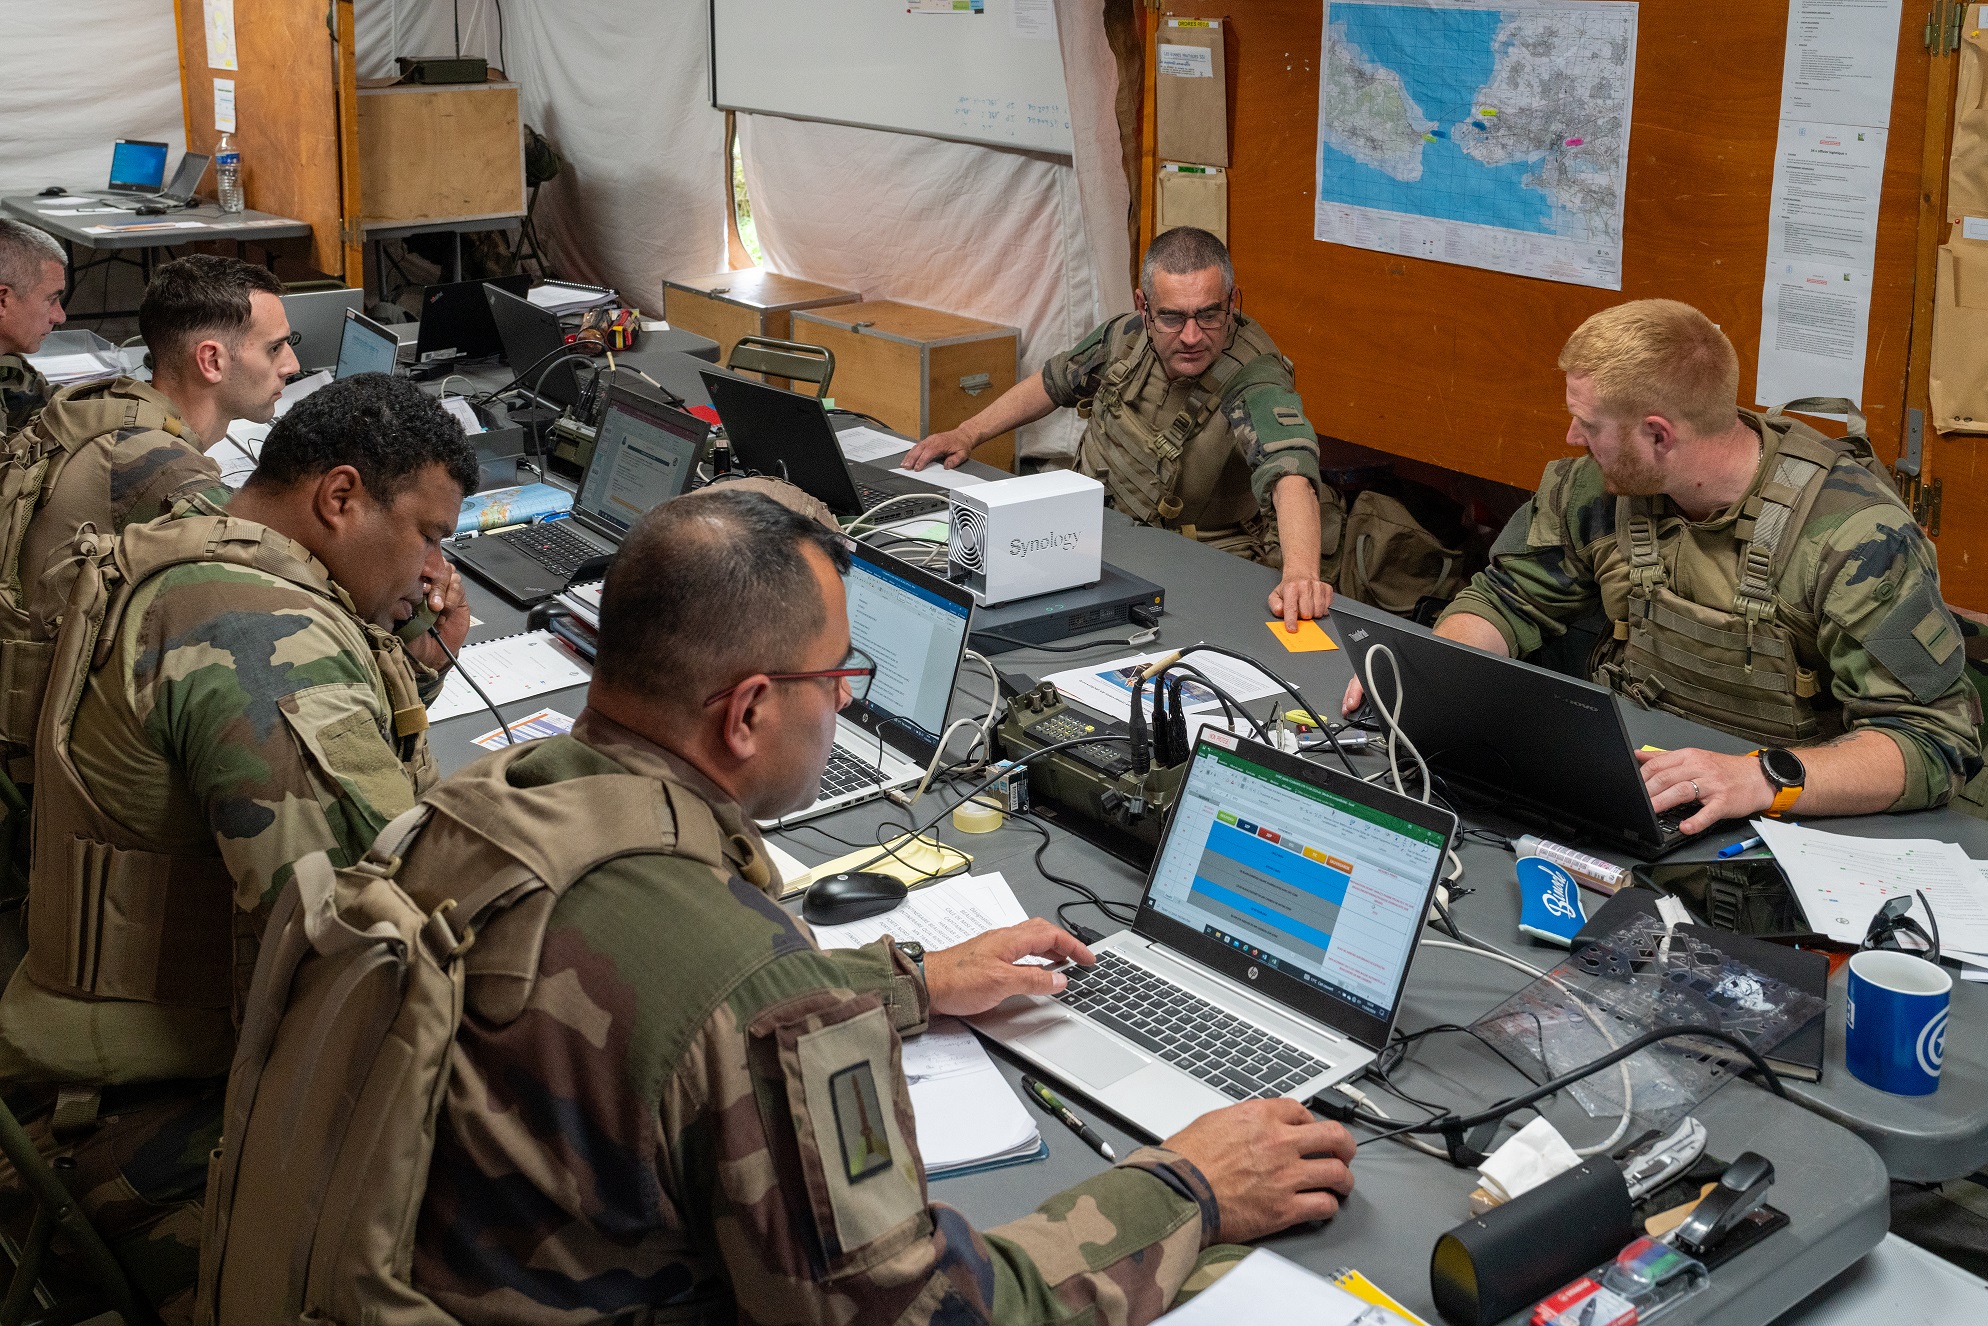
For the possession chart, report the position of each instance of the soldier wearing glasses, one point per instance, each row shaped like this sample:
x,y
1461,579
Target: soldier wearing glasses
x,y
1194,423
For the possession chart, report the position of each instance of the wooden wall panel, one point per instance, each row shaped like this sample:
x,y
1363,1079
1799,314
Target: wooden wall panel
x,y
1455,365
286,104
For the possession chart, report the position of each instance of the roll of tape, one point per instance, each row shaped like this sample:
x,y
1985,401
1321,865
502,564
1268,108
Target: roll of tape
x,y
977,816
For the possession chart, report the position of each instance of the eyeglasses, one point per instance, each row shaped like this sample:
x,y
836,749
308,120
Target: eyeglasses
x,y
1213,318
1894,919
857,669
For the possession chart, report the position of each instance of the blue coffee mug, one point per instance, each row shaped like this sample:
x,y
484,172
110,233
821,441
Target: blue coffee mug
x,y
1896,1022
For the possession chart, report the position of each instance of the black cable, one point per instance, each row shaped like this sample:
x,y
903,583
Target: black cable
x,y
463,672
1317,722
1057,649
519,380
503,64
1087,896
456,6
858,414
1232,708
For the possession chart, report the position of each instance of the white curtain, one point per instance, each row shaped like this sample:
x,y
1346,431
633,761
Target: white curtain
x,y
75,77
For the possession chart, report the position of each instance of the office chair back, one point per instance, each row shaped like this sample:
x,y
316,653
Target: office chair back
x,y
793,360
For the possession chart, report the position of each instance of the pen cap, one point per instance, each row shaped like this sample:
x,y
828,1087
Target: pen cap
x,y
1513,1255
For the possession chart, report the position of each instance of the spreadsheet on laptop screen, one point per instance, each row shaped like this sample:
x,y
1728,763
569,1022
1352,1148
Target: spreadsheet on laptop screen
x,y
639,463
914,638
1314,885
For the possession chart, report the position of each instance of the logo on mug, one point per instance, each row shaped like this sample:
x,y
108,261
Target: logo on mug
x,y
1931,1049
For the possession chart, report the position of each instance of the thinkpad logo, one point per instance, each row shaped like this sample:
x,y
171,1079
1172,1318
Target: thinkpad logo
x,y
1360,634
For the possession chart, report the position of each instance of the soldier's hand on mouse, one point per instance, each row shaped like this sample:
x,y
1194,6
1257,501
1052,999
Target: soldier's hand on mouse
x,y
952,447
1271,1165
1727,787
972,977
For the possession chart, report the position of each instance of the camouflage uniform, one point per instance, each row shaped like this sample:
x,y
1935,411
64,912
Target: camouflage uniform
x,y
1858,602
240,718
1202,455
23,391
700,1113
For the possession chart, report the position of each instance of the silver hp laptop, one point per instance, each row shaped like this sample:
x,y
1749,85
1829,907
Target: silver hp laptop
x,y
318,319
913,626
1270,951
365,346
645,454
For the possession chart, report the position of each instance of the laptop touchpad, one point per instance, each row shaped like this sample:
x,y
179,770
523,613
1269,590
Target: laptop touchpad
x,y
1082,1052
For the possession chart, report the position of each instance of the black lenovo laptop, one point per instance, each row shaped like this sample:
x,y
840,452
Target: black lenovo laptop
x,y
456,326
786,435
644,455
1542,746
530,335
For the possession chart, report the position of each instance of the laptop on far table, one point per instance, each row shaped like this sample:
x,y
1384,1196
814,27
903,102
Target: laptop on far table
x,y
786,435
1270,952
456,326
912,625
1542,746
365,346
644,455
530,335
318,319
137,166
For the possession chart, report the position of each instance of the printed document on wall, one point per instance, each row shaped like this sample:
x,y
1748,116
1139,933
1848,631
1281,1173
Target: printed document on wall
x,y
1822,228
219,18
1488,133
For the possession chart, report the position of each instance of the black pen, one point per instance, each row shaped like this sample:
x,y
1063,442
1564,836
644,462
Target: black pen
x,y
1047,1099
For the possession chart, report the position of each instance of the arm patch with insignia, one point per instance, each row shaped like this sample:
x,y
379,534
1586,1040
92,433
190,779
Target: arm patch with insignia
x,y
1918,644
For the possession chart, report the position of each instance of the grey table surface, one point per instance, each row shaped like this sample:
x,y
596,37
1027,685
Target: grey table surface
x,y
1832,1185
130,231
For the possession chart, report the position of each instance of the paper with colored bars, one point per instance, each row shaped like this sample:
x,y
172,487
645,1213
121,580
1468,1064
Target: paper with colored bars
x,y
515,667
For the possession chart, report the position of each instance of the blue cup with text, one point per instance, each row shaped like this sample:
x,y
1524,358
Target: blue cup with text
x,y
1895,1022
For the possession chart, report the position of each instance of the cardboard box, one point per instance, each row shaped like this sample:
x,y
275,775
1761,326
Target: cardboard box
x,y
918,370
1193,196
1191,93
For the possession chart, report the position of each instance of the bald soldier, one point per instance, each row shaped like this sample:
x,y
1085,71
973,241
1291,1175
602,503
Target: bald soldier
x,y
1758,577
1194,422
690,1112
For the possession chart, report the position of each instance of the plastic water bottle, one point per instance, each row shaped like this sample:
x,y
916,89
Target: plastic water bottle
x,y
228,173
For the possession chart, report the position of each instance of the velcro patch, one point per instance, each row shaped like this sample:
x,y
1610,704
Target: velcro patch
x,y
859,1122
1287,416
1936,632
1917,643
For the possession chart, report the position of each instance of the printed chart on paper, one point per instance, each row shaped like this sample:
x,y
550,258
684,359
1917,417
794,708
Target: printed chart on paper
x,y
1489,133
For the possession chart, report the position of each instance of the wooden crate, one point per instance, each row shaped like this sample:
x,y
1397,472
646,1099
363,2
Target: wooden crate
x,y
443,153
751,302
916,369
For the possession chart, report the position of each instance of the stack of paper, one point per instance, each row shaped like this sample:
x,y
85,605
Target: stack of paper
x,y
1267,1289
969,1118
861,444
562,297
1841,882
516,667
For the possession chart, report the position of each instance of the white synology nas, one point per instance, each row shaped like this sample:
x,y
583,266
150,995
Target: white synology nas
x,y
1035,534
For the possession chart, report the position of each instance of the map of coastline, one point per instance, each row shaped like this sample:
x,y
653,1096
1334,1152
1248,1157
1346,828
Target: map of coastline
x,y
1488,132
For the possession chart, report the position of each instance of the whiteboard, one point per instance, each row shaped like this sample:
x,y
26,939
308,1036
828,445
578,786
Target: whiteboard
x,y
991,74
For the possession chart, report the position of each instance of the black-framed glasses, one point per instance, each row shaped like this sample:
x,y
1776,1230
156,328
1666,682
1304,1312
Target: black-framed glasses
x,y
1213,318
1895,919
858,670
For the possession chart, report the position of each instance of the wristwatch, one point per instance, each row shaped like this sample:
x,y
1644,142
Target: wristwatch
x,y
1786,774
914,950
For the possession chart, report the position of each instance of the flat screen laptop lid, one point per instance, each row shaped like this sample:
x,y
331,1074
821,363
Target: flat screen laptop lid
x,y
1297,881
644,454
186,178
456,322
913,626
137,166
531,338
365,347
784,435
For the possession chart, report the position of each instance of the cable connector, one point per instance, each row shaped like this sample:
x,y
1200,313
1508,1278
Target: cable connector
x,y
1143,615
1334,1105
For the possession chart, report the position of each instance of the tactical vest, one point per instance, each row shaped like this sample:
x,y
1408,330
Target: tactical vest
x,y
23,391
34,502
1731,665
1183,474
108,916
446,914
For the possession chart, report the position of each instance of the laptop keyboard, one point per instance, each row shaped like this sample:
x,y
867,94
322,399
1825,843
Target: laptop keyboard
x,y
552,546
846,774
1187,1031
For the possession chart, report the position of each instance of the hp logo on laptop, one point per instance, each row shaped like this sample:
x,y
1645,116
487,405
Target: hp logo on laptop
x,y
1252,973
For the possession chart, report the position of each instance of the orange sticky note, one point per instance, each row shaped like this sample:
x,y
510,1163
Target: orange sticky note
x,y
1307,639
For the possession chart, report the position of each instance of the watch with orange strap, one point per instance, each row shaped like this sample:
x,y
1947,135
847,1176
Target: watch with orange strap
x,y
1786,774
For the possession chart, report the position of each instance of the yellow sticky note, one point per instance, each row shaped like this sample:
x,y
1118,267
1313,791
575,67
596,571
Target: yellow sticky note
x,y
1654,750
1307,639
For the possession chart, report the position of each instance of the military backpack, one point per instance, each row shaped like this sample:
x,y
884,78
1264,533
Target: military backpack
x,y
344,1061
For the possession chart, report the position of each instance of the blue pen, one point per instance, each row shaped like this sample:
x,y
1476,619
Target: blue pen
x,y
1737,848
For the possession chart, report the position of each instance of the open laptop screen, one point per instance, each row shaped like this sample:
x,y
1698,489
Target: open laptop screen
x,y
1312,884
643,457
365,347
913,627
137,167
186,176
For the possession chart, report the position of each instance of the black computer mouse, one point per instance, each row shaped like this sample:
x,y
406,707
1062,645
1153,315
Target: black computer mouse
x,y
151,209
854,895
53,191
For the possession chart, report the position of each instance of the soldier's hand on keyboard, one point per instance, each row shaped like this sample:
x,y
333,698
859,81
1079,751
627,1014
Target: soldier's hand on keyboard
x,y
1727,787
973,977
1271,1164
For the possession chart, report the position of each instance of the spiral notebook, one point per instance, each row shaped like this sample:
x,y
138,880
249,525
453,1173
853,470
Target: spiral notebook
x,y
512,667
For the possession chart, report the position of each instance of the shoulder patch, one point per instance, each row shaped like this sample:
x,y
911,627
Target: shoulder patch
x,y
1918,643
1287,416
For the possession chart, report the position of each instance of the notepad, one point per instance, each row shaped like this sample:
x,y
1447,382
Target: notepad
x,y
1307,639
1268,1290
969,1119
515,667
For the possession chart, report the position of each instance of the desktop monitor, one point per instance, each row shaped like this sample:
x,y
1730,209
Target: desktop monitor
x,y
365,347
137,166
